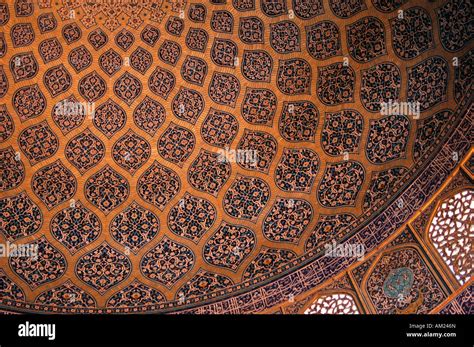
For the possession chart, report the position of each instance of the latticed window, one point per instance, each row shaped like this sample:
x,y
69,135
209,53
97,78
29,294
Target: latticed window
x,y
334,304
452,233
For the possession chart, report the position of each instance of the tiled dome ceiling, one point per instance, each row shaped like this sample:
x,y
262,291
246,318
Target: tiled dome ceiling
x,y
115,119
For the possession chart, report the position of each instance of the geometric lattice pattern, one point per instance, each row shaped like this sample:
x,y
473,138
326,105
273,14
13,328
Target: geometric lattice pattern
x,y
339,303
452,233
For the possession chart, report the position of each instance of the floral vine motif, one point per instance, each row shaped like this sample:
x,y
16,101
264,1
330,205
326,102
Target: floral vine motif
x,y
224,52
106,189
50,49
29,102
224,89
204,282
297,169
273,8
176,144
6,124
124,39
47,22
229,246
388,5
246,198
134,227
109,118
188,105
141,60
194,70
197,13
67,295
340,184
268,260
22,34
54,184
428,82
27,69
85,151
175,25
161,82
169,52
72,118
131,151
412,35
328,227
222,21
366,39
48,265
80,58
191,217
287,220
263,144
380,83
103,268
336,84
57,80
136,294
12,170
257,66
307,9
455,34
463,73
381,184
219,128
24,8
110,62
97,38
208,173
285,37
167,262
158,185
19,216
259,106
346,9
128,88
298,121
92,87
251,30
9,290
428,131
294,77
342,132
323,40
38,142
149,115
388,138
71,33
75,227
196,39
